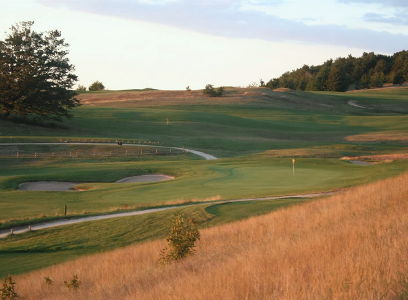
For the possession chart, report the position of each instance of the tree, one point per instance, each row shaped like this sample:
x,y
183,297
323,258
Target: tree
x,y
336,81
96,86
7,291
81,88
35,74
211,92
181,239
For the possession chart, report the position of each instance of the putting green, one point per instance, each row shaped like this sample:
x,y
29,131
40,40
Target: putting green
x,y
194,181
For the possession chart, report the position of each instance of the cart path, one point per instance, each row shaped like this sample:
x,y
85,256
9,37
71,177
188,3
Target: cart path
x,y
354,103
50,224
199,153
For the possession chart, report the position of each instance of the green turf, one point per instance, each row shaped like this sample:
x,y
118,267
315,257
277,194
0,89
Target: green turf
x,y
241,128
232,125
32,250
233,178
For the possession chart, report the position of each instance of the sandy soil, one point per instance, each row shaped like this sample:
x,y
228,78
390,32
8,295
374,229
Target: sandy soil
x,y
52,186
60,186
369,159
359,162
144,178
353,103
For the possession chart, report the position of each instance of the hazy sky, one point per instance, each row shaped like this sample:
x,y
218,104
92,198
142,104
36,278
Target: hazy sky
x,y
171,44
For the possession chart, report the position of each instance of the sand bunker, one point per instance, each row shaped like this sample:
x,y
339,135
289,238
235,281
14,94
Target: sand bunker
x,y
53,186
60,186
144,178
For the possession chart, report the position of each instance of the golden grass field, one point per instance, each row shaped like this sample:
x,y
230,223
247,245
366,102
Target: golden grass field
x,y
379,136
160,98
351,245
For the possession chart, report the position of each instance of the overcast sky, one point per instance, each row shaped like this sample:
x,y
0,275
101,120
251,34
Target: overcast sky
x,y
171,44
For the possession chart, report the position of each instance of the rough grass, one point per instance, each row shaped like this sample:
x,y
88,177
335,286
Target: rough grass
x,y
25,252
349,246
379,137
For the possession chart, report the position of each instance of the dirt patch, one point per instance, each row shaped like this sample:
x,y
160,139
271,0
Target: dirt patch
x,y
360,163
282,90
353,103
379,158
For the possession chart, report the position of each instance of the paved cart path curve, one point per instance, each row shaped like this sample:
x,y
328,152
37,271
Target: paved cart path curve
x,y
50,224
199,153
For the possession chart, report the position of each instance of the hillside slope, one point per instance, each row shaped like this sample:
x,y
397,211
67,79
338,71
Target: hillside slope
x,y
349,246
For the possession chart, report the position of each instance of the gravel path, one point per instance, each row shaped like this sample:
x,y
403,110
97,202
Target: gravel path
x,y
353,103
4,233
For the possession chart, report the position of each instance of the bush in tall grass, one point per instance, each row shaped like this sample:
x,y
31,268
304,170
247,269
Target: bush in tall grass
x,y
7,292
181,239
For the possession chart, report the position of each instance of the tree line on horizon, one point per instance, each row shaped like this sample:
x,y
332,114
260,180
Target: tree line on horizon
x,y
368,71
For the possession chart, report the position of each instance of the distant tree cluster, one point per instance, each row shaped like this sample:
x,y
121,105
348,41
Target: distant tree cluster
x,y
211,92
368,71
95,86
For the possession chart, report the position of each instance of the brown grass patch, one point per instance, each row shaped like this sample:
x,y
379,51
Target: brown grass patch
x,y
378,157
300,152
349,246
379,136
160,98
282,90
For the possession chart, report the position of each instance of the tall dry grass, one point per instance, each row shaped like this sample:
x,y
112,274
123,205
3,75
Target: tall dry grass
x,y
350,246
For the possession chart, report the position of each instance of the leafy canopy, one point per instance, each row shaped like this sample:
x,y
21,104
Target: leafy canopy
x,y
181,239
211,92
35,74
96,86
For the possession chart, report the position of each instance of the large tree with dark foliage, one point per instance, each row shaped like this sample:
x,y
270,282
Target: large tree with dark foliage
x,y
35,74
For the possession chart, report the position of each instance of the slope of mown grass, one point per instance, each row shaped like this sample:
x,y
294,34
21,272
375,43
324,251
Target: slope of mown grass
x,y
244,121
195,180
349,246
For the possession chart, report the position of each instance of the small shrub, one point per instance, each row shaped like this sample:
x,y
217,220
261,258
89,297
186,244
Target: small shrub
x,y
48,281
7,292
181,239
73,284
211,92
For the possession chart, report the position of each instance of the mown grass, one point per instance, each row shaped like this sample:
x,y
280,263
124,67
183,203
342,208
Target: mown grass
x,y
195,180
36,249
245,121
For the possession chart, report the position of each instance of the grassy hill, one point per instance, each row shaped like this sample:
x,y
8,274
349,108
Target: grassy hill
x,y
244,121
349,246
255,132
